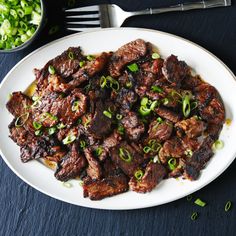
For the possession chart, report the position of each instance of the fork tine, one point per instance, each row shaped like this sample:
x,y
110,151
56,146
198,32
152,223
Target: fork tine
x,y
88,22
84,9
82,29
92,16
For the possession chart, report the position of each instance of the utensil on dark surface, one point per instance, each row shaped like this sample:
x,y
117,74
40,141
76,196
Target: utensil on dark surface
x,y
111,15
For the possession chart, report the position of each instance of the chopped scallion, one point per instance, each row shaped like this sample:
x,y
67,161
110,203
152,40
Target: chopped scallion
x,y
199,202
37,125
138,174
157,89
133,67
155,55
69,139
172,163
147,149
119,116
218,144
228,206
186,108
107,114
194,216
52,130
20,121
75,106
125,155
51,70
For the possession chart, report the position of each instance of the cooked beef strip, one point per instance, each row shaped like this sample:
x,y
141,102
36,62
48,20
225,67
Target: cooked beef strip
x,y
110,186
168,114
94,169
131,166
134,128
100,124
196,163
160,131
153,175
71,165
171,148
192,127
126,54
174,70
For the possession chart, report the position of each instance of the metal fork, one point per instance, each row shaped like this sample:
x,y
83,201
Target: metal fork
x,y
111,15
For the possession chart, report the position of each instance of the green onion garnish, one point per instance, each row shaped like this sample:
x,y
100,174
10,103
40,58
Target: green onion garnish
x,y
121,129
165,101
61,126
157,89
194,216
186,108
189,198
36,103
90,57
172,163
228,206
51,70
86,123
81,63
38,132
71,55
154,145
119,116
159,120
107,114
133,67
103,82
188,152
69,139
67,184
98,151
115,85
144,101
193,105
138,174
125,155
52,130
155,55
147,149
128,84
144,111
20,121
37,125
153,105
82,144
199,202
47,115
75,106
218,144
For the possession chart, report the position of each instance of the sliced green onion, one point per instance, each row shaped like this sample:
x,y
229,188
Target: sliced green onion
x,y
69,139
107,114
90,57
20,121
47,115
172,163
115,85
133,67
52,130
154,105
165,101
194,105
36,104
37,125
98,151
38,132
188,152
157,89
147,149
155,55
125,155
144,111
75,106
67,184
71,55
61,126
186,108
218,144
88,120
144,101
228,206
189,198
138,174
82,144
53,29
194,216
103,82
155,146
199,202
119,116
51,70
128,84
81,63
121,129
159,120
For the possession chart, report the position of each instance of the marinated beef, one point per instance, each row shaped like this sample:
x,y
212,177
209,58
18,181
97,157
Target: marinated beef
x,y
168,114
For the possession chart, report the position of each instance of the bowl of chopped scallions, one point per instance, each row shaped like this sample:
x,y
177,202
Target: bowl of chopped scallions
x,y
20,23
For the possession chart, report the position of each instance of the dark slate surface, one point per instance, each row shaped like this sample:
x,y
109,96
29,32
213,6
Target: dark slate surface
x,y
25,211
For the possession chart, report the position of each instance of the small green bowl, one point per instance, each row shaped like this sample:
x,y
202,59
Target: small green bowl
x,y
34,36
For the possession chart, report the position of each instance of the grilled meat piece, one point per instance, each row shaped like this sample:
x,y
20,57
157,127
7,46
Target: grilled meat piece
x,y
126,54
100,124
192,127
94,169
71,165
127,157
174,70
126,98
171,148
134,128
196,163
160,131
107,187
168,114
153,175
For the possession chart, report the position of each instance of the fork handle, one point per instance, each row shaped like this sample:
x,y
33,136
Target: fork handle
x,y
185,7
